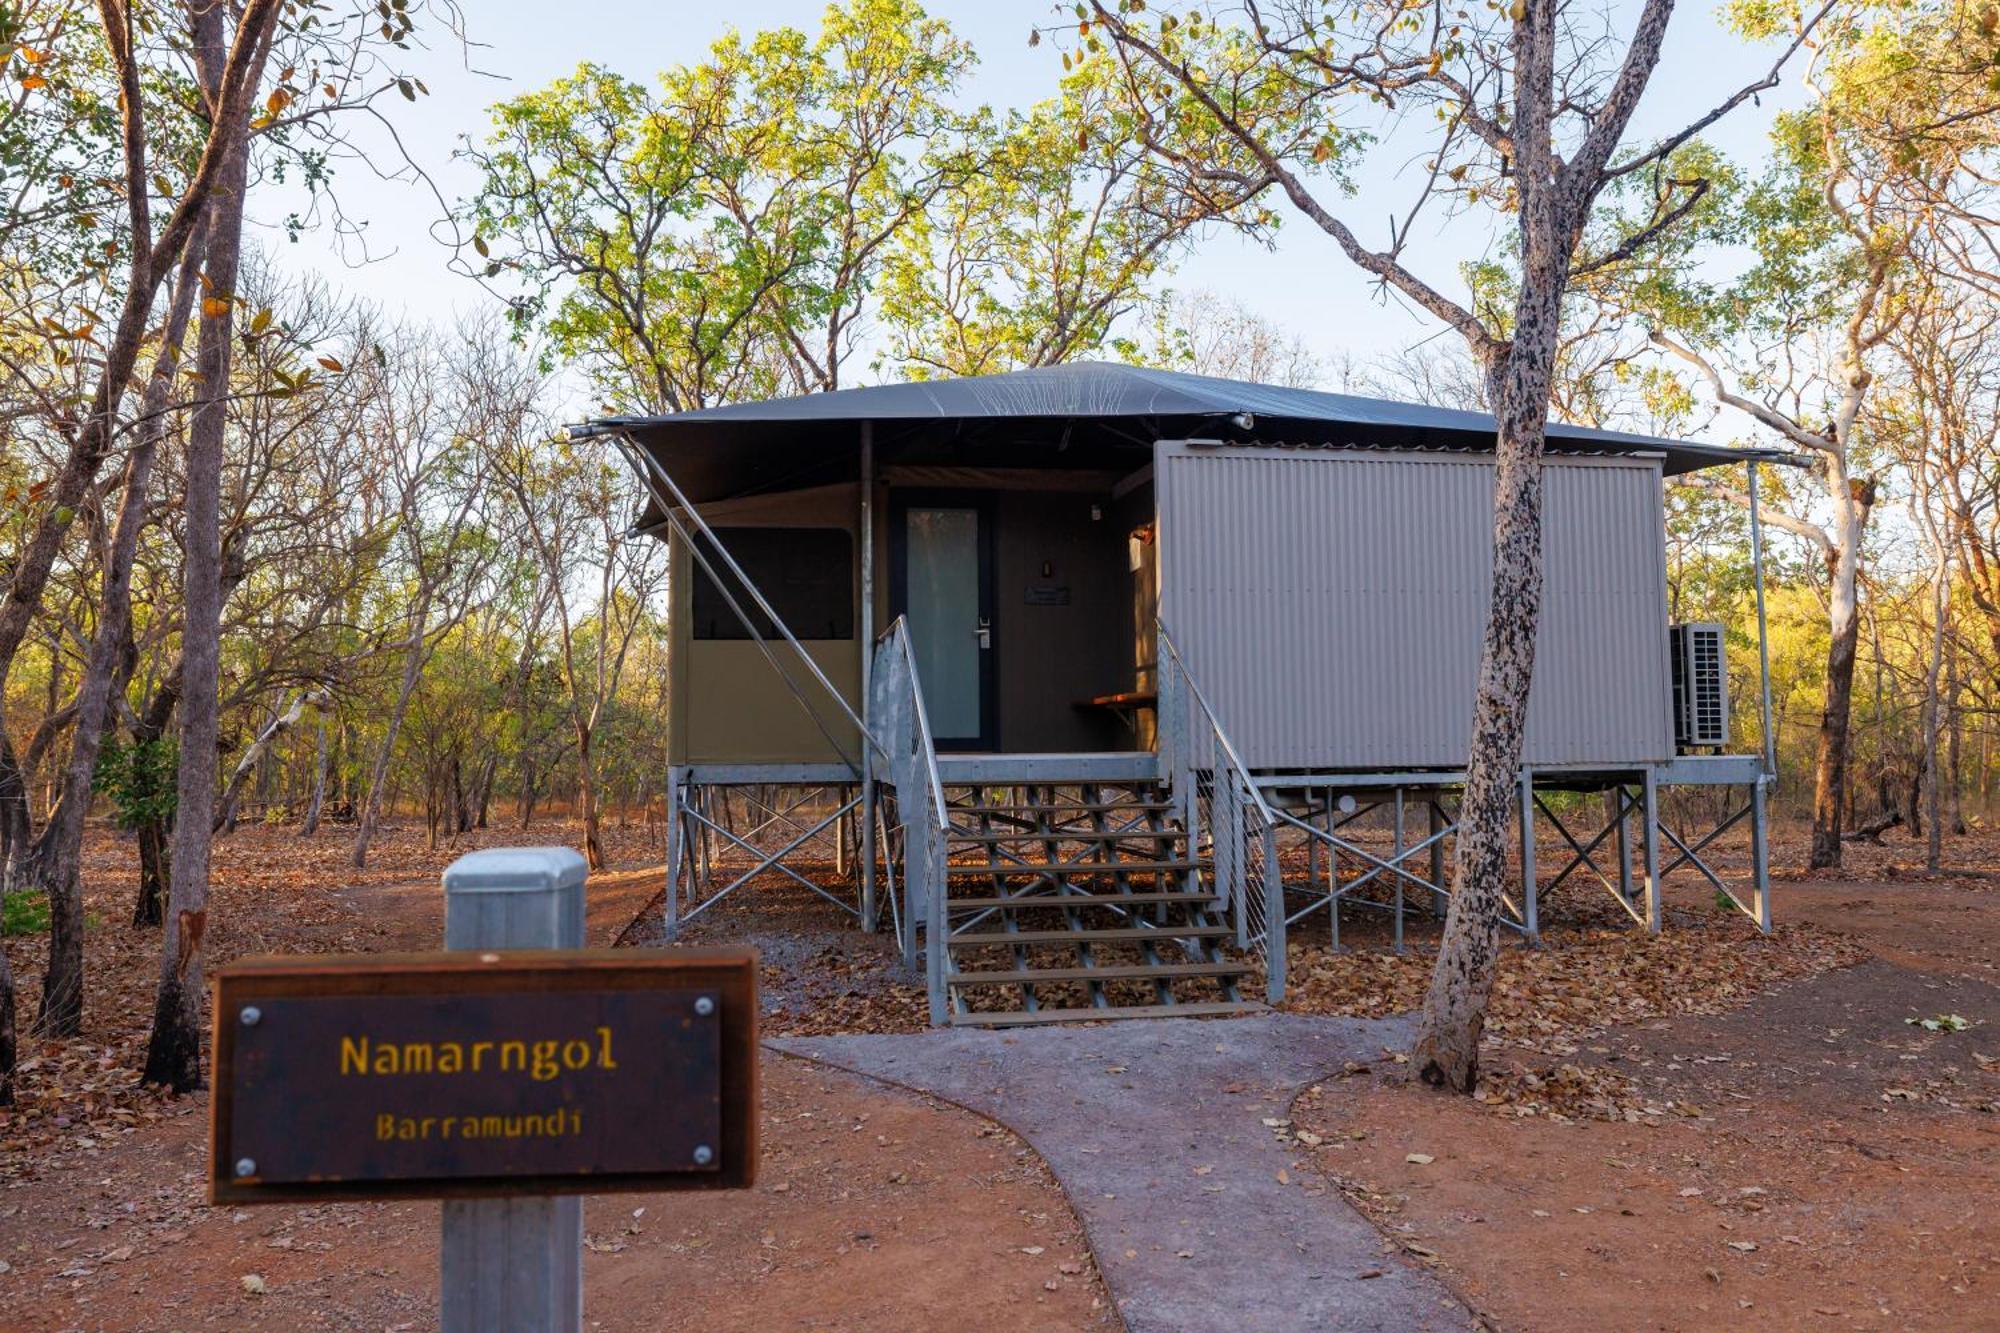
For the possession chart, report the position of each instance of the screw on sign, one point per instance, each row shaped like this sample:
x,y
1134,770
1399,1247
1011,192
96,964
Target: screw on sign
x,y
508,1076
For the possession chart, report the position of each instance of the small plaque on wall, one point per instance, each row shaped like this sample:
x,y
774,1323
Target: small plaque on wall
x,y
1047,594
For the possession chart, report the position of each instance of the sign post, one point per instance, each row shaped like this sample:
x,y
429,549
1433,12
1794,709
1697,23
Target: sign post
x,y
507,1076
513,1264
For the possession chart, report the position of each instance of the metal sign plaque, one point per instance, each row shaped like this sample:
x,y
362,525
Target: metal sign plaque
x,y
465,1074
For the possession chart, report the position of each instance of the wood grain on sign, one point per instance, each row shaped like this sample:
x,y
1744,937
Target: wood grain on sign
x,y
467,1074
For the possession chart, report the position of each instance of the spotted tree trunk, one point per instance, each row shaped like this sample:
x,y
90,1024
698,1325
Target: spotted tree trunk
x,y
1447,1048
1555,200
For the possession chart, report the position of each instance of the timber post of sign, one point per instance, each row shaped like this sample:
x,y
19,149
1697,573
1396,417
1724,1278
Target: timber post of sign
x,y
518,1077
513,1263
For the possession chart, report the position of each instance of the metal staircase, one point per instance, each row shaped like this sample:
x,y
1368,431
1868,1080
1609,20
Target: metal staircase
x,y
1053,888
1082,902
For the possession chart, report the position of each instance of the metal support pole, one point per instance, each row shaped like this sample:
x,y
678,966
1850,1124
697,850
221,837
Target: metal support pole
x,y
1274,919
1769,750
937,934
676,847
513,1265
868,908
1650,841
1530,909
1760,853
1440,902
704,839
1619,812
1332,889
1397,857
1312,849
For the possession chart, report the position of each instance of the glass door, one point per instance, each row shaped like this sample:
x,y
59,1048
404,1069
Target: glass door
x,y
944,588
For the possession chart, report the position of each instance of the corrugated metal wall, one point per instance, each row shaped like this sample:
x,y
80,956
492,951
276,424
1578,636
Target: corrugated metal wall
x,y
1331,604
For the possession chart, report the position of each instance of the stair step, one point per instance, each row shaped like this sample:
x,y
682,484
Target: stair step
x,y
1067,835
1067,868
1067,807
1121,972
1082,900
1017,1018
1105,935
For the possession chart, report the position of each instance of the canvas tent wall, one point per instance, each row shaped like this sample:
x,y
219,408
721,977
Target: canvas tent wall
x,y
729,703
1063,617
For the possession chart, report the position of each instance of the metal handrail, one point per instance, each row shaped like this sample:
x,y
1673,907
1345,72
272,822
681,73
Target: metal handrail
x,y
1242,827
924,853
899,629
1236,763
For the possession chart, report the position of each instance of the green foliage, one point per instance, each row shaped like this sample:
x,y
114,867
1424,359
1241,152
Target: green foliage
x,y
711,238
24,913
1037,253
727,231
139,779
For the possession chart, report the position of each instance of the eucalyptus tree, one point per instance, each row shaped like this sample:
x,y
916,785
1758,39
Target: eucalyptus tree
x,y
131,41
99,74
424,424
1209,333
1940,419
1518,110
1890,159
573,509
713,236
1038,255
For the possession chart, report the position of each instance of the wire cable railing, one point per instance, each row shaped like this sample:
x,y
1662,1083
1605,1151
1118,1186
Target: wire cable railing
x,y
1226,816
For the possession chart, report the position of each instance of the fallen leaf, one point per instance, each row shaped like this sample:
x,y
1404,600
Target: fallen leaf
x,y
1420,1158
253,1283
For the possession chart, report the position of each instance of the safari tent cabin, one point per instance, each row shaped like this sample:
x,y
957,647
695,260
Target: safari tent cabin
x,y
1102,585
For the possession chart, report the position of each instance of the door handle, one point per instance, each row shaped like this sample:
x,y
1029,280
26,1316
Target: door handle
x,y
984,633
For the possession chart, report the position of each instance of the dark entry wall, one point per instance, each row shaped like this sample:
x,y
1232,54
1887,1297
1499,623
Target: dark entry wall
x,y
1062,607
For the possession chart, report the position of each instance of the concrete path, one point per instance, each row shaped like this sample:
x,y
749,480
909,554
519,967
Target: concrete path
x,y
1156,1130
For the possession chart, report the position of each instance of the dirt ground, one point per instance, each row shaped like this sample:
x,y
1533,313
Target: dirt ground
x,y
1815,1158
1711,1125
874,1208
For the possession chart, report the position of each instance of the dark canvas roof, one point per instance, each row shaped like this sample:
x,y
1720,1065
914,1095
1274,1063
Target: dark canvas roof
x,y
1101,403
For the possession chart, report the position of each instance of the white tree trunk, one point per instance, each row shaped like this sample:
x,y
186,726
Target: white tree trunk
x,y
225,816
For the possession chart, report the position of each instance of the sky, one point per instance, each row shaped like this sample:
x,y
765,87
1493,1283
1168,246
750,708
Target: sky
x,y
1303,284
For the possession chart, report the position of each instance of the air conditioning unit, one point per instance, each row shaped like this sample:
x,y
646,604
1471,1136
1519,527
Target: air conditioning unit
x,y
1701,687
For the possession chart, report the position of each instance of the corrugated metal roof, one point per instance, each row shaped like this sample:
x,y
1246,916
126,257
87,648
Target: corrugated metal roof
x,y
1172,403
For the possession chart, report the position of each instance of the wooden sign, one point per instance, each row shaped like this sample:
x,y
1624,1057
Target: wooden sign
x,y
477,1074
